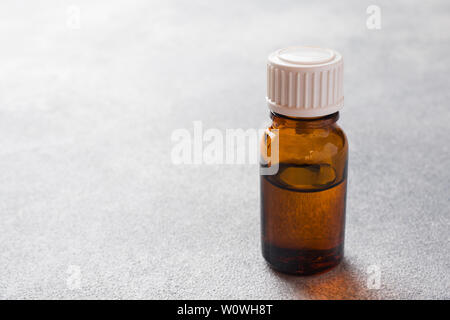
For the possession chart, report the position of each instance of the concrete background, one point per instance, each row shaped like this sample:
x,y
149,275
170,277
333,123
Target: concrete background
x,y
92,207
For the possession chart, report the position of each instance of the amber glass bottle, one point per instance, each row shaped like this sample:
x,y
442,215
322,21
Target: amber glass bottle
x,y
303,200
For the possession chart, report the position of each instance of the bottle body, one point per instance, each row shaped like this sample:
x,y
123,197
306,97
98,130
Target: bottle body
x,y
303,202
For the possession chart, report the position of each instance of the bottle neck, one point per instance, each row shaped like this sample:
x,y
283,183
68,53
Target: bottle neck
x,y
280,120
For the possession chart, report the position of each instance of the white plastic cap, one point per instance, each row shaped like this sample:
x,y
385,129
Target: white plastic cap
x,y
305,81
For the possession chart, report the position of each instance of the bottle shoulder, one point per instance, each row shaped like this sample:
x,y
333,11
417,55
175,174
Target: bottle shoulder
x,y
308,158
313,138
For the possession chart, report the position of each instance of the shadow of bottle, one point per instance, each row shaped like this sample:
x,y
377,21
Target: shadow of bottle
x,y
345,282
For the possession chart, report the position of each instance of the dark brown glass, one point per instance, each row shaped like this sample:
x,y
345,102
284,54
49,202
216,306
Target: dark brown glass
x,y
303,204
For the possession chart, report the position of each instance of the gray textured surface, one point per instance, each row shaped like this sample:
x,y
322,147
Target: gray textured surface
x,y
85,123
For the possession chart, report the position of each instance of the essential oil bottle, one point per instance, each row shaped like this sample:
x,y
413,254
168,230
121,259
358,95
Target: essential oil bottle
x,y
304,162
